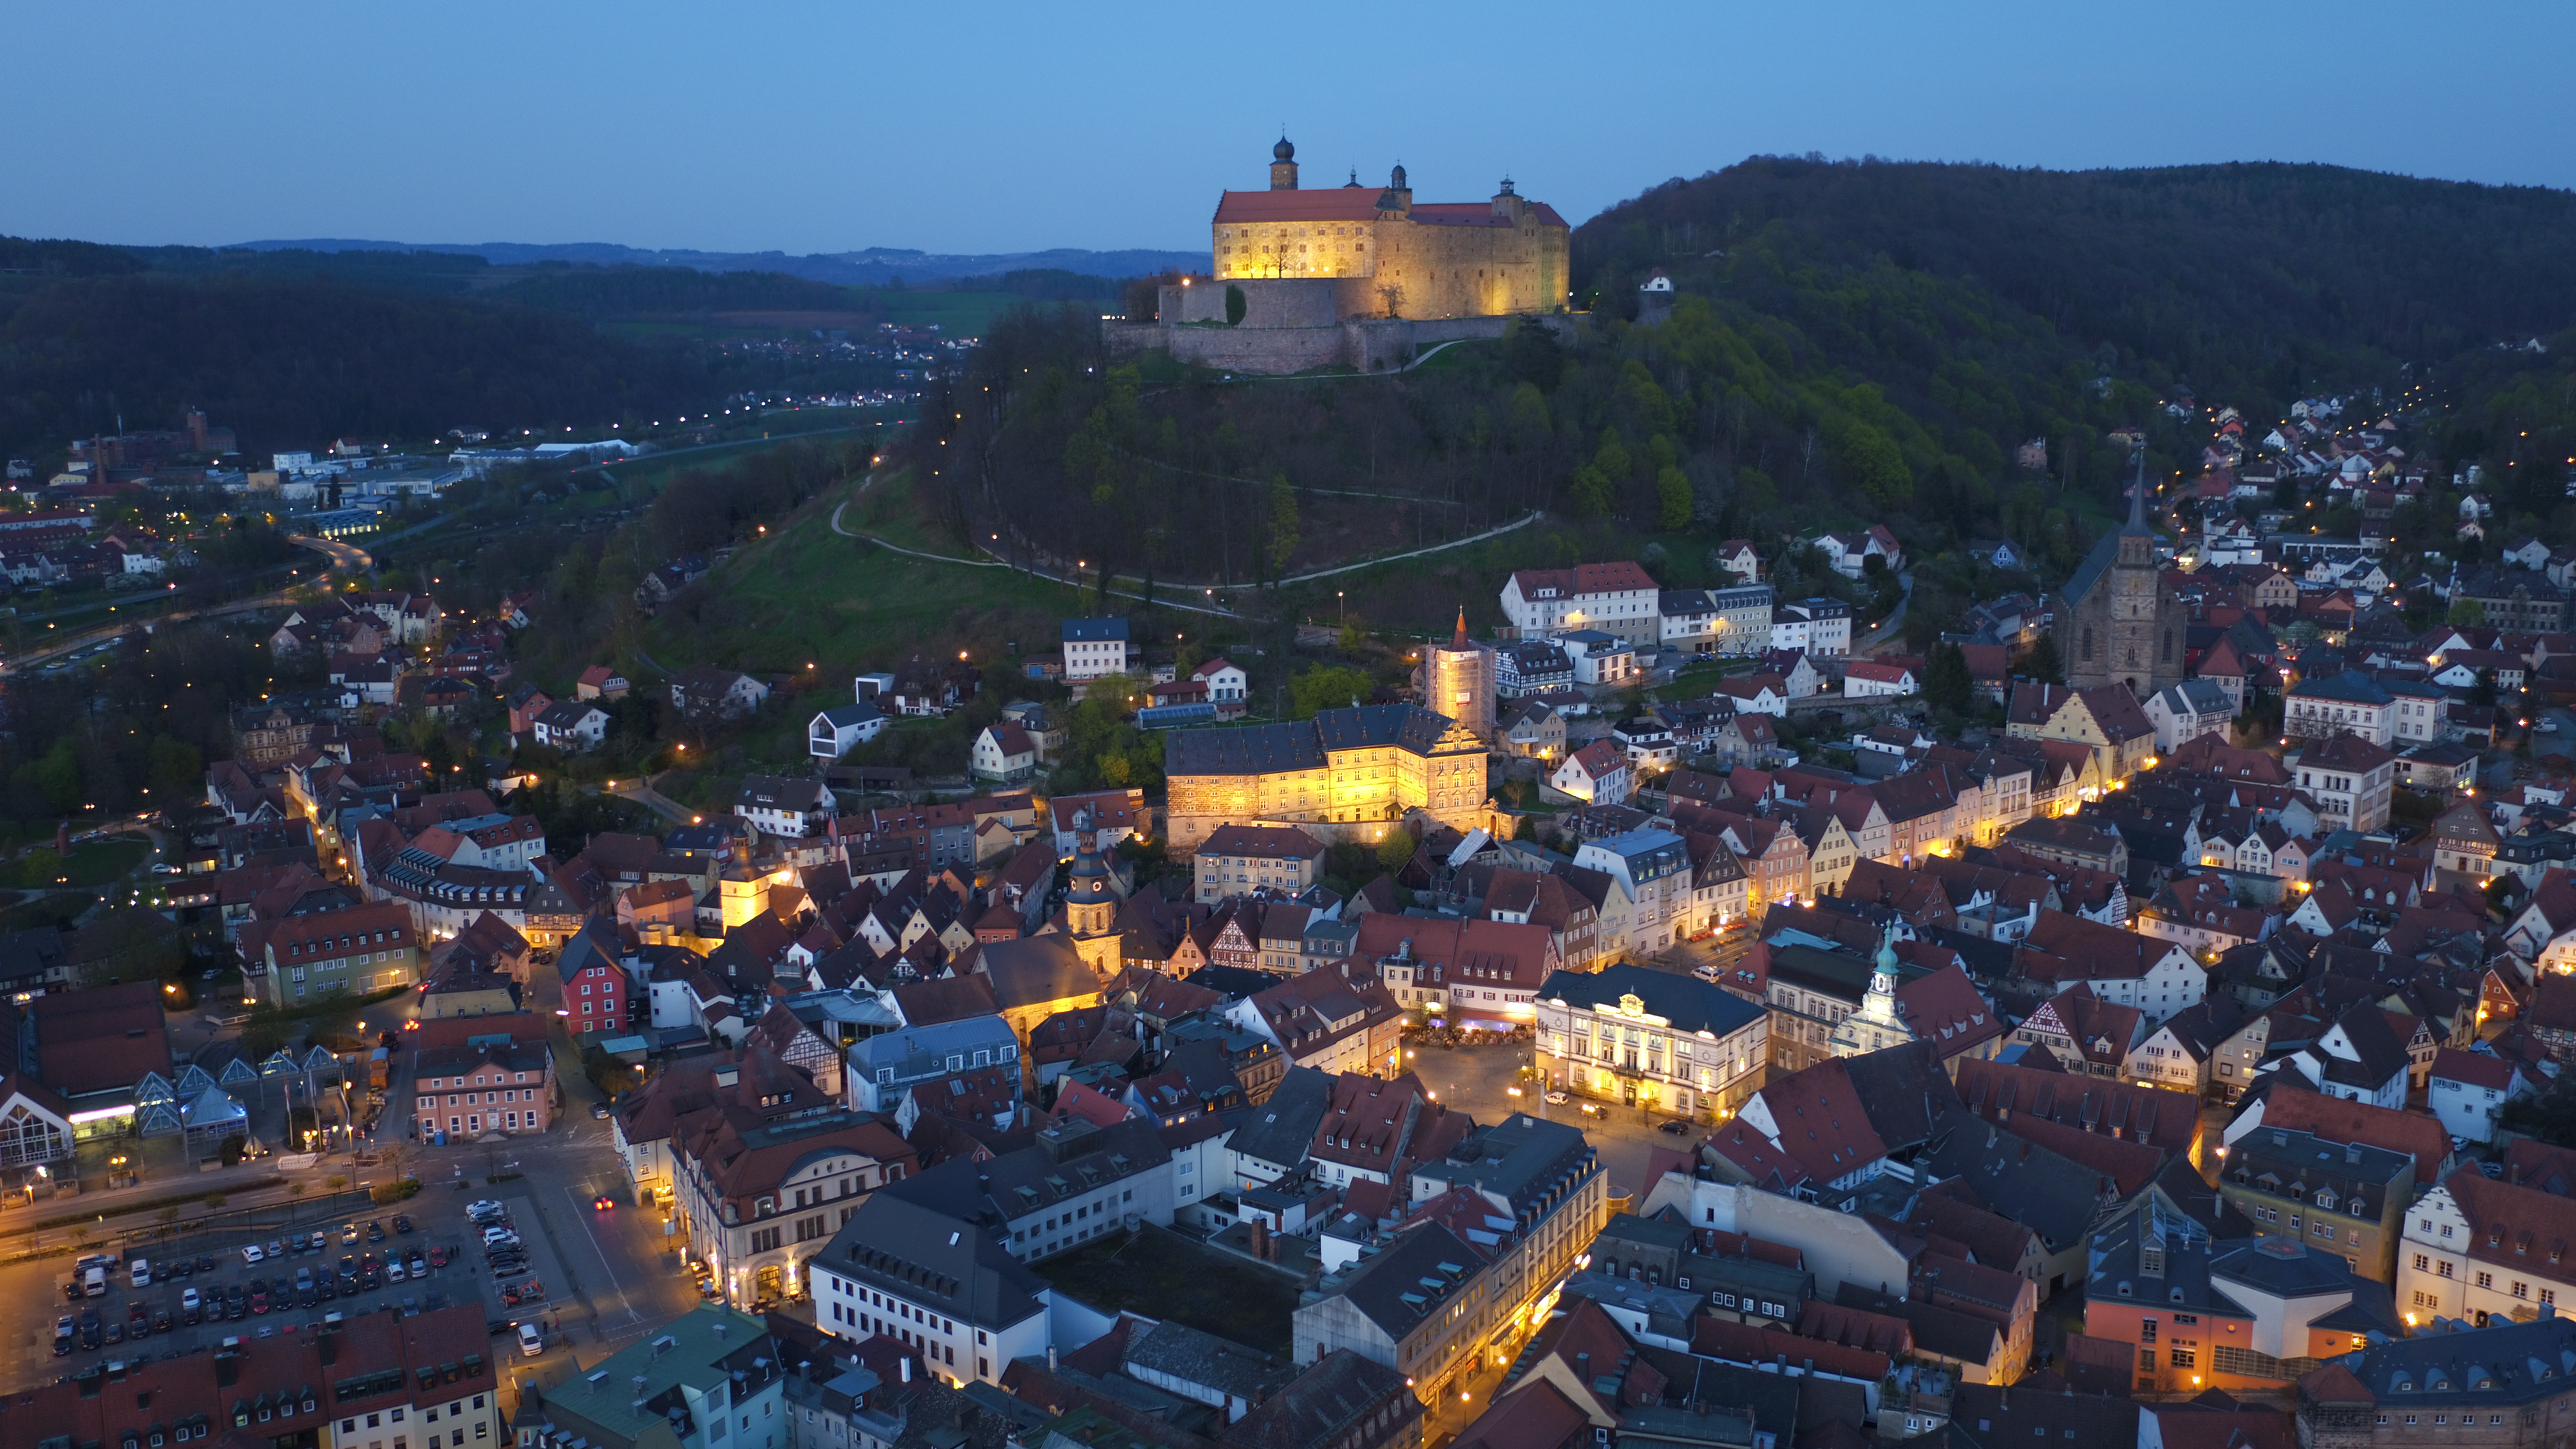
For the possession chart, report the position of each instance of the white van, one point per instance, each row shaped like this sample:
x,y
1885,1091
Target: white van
x,y
141,1269
94,1281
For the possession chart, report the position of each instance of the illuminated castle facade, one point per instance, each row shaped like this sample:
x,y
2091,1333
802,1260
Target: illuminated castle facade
x,y
1398,257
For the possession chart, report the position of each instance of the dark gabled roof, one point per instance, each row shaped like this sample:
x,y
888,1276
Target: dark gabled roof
x,y
1281,1128
1690,1004
933,1258
2350,687
1409,1281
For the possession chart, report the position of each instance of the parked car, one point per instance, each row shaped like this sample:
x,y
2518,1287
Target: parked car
x,y
532,1340
189,1298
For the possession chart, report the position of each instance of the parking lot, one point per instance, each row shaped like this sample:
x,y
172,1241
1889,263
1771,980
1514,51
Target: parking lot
x,y
203,1288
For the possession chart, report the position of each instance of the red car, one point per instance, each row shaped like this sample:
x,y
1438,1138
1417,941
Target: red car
x,y
438,1255
603,1202
259,1300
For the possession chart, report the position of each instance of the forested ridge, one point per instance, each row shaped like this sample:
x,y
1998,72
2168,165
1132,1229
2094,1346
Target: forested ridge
x,y
1852,342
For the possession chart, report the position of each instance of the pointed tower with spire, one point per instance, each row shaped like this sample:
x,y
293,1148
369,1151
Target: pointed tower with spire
x,y
2118,621
1877,1025
1457,679
1091,901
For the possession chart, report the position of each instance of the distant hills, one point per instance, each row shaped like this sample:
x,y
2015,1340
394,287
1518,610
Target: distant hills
x,y
870,267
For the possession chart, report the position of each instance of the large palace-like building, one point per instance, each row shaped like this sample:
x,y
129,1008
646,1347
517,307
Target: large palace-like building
x,y
1400,257
1358,769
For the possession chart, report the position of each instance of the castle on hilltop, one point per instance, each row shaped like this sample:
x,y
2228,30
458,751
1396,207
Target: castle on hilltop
x,y
1357,275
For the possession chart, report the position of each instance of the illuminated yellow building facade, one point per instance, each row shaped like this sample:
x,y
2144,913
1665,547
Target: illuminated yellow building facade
x,y
1346,774
1401,258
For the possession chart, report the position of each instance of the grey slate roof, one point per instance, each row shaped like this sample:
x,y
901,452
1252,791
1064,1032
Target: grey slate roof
x,y
1690,1004
1522,1160
991,1193
1409,1281
1193,1357
917,1252
2447,1369
1280,1129
1270,748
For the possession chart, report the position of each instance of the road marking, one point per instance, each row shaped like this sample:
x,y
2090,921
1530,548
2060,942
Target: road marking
x,y
622,1300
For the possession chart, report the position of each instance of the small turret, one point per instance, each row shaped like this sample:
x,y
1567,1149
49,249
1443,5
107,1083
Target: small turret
x,y
1398,196
1283,165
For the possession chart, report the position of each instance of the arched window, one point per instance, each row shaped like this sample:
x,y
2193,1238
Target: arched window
x,y
2087,652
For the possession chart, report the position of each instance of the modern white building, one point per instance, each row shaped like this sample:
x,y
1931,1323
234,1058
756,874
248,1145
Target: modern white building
x,y
1600,657
837,731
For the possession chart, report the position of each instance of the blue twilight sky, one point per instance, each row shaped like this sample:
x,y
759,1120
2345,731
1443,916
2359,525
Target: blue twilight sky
x,y
983,127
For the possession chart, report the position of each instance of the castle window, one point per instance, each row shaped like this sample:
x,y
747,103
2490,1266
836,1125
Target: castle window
x,y
2088,642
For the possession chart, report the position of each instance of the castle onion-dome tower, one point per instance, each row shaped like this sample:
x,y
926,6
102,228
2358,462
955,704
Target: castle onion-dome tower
x,y
1283,165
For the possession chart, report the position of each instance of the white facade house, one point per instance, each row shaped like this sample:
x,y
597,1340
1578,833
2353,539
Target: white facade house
x,y
1848,554
938,1284
1225,681
2186,711
1821,627
1597,774
570,725
2415,716
2352,781
1599,656
1003,752
2468,1250
778,805
1617,598
1095,647
837,731
2350,703
2468,1089
1870,679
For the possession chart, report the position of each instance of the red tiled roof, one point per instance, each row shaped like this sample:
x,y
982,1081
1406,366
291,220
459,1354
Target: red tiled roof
x,y
1743,1343
2335,1119
1592,578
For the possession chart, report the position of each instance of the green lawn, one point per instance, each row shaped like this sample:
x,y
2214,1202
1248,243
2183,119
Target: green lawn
x,y
96,862
808,595
1162,1275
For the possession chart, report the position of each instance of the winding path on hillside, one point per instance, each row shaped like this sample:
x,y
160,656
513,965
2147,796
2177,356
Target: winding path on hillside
x,y
1036,571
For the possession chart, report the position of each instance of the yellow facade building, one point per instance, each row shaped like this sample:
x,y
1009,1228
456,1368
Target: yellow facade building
x,y
1346,774
1401,258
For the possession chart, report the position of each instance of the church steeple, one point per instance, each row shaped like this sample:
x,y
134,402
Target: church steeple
x,y
1458,640
1878,1024
2138,497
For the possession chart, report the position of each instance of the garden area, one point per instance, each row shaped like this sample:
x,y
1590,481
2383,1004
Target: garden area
x,y
1163,1275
